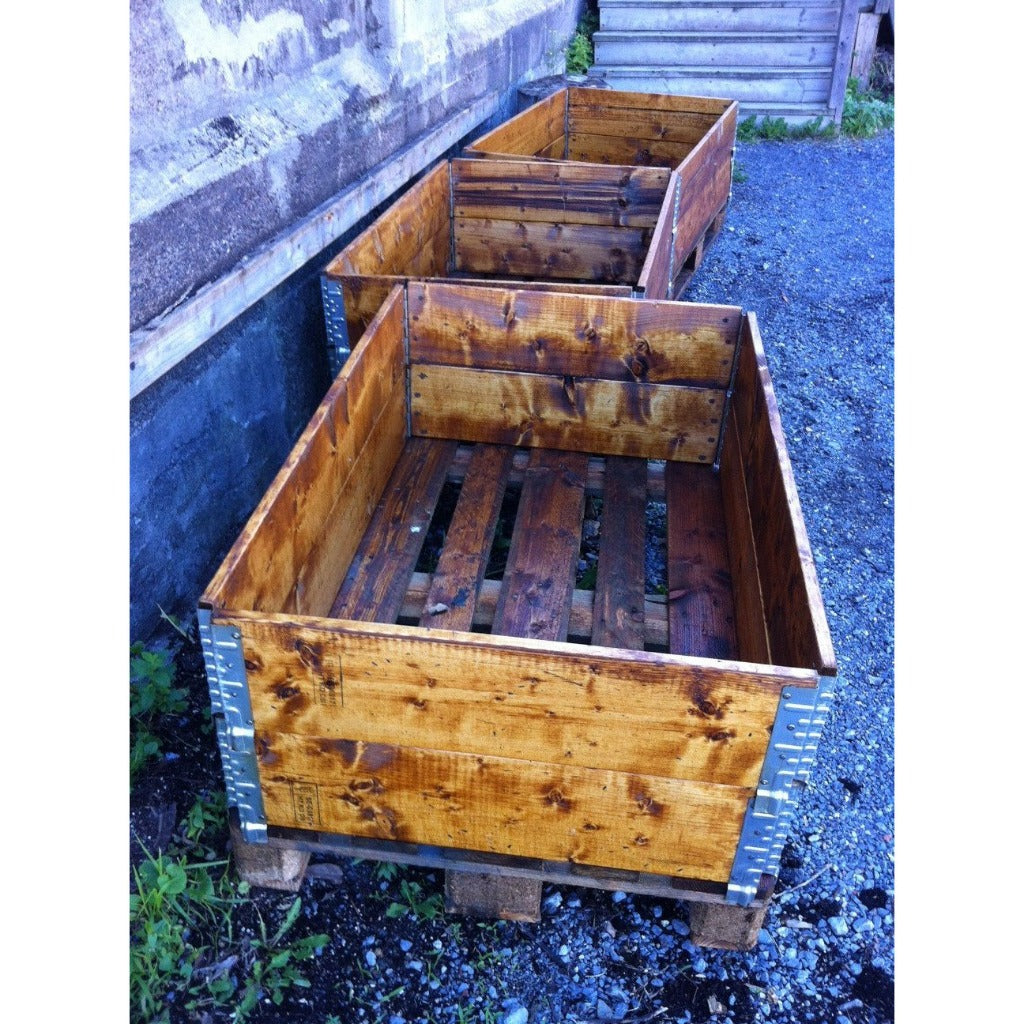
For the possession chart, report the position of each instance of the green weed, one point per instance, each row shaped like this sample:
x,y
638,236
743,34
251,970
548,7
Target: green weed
x,y
579,55
152,695
416,903
866,113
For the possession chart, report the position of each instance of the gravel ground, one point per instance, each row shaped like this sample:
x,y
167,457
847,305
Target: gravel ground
x,y
808,246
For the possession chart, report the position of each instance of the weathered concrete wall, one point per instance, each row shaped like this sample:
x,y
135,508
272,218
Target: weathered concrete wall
x,y
246,116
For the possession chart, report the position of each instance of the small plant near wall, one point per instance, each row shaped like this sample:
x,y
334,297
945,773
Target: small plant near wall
x,y
579,55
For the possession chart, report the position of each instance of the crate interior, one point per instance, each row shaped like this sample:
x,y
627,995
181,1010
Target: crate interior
x,y
607,127
503,222
542,465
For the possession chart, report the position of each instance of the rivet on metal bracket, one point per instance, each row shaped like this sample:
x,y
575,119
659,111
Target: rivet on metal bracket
x,y
334,321
794,742
232,714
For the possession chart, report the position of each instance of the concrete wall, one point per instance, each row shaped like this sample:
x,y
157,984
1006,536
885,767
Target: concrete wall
x,y
244,118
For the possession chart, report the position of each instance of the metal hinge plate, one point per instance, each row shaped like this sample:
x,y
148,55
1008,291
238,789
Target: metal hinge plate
x,y
334,321
232,714
787,765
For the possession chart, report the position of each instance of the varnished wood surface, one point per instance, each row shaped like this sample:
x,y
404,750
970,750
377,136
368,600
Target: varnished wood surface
x,y
701,617
682,127
272,563
516,807
386,557
560,703
568,193
585,252
536,590
794,610
576,335
581,99
452,599
655,275
619,588
581,615
629,150
401,240
751,633
528,132
655,421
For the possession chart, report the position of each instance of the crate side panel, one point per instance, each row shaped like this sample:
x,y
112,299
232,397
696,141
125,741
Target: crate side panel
x,y
337,490
582,99
655,277
653,421
751,632
262,570
617,820
794,610
402,233
669,126
705,182
569,193
627,150
577,705
575,335
583,252
529,132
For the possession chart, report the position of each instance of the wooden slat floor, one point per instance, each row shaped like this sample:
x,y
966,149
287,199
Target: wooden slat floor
x,y
488,538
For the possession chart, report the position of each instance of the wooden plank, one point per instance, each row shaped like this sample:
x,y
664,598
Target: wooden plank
x,y
654,276
504,805
263,566
379,575
536,589
567,334
751,632
529,131
843,58
581,615
167,339
587,252
402,233
651,421
463,561
580,99
594,707
681,126
619,590
630,150
794,610
701,617
569,193
864,48
705,179
556,150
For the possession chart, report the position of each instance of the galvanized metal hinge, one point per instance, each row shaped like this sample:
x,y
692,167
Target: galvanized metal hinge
x,y
672,243
232,714
791,752
334,321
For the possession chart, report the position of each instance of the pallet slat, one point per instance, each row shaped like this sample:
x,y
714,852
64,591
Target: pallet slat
x,y
619,589
463,560
701,619
379,576
536,590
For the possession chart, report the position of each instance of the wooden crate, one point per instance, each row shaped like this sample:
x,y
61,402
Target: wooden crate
x,y
692,136
509,717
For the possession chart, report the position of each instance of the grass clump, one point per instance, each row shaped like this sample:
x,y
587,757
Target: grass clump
x,y
153,695
188,948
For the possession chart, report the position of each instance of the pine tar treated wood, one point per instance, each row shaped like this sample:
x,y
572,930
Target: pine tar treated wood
x,y
474,695
607,193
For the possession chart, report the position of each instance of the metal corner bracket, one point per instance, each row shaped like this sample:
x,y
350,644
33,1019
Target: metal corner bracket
x,y
787,765
232,714
334,321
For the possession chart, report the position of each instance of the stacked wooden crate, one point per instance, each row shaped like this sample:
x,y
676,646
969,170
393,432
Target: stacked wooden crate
x,y
468,702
